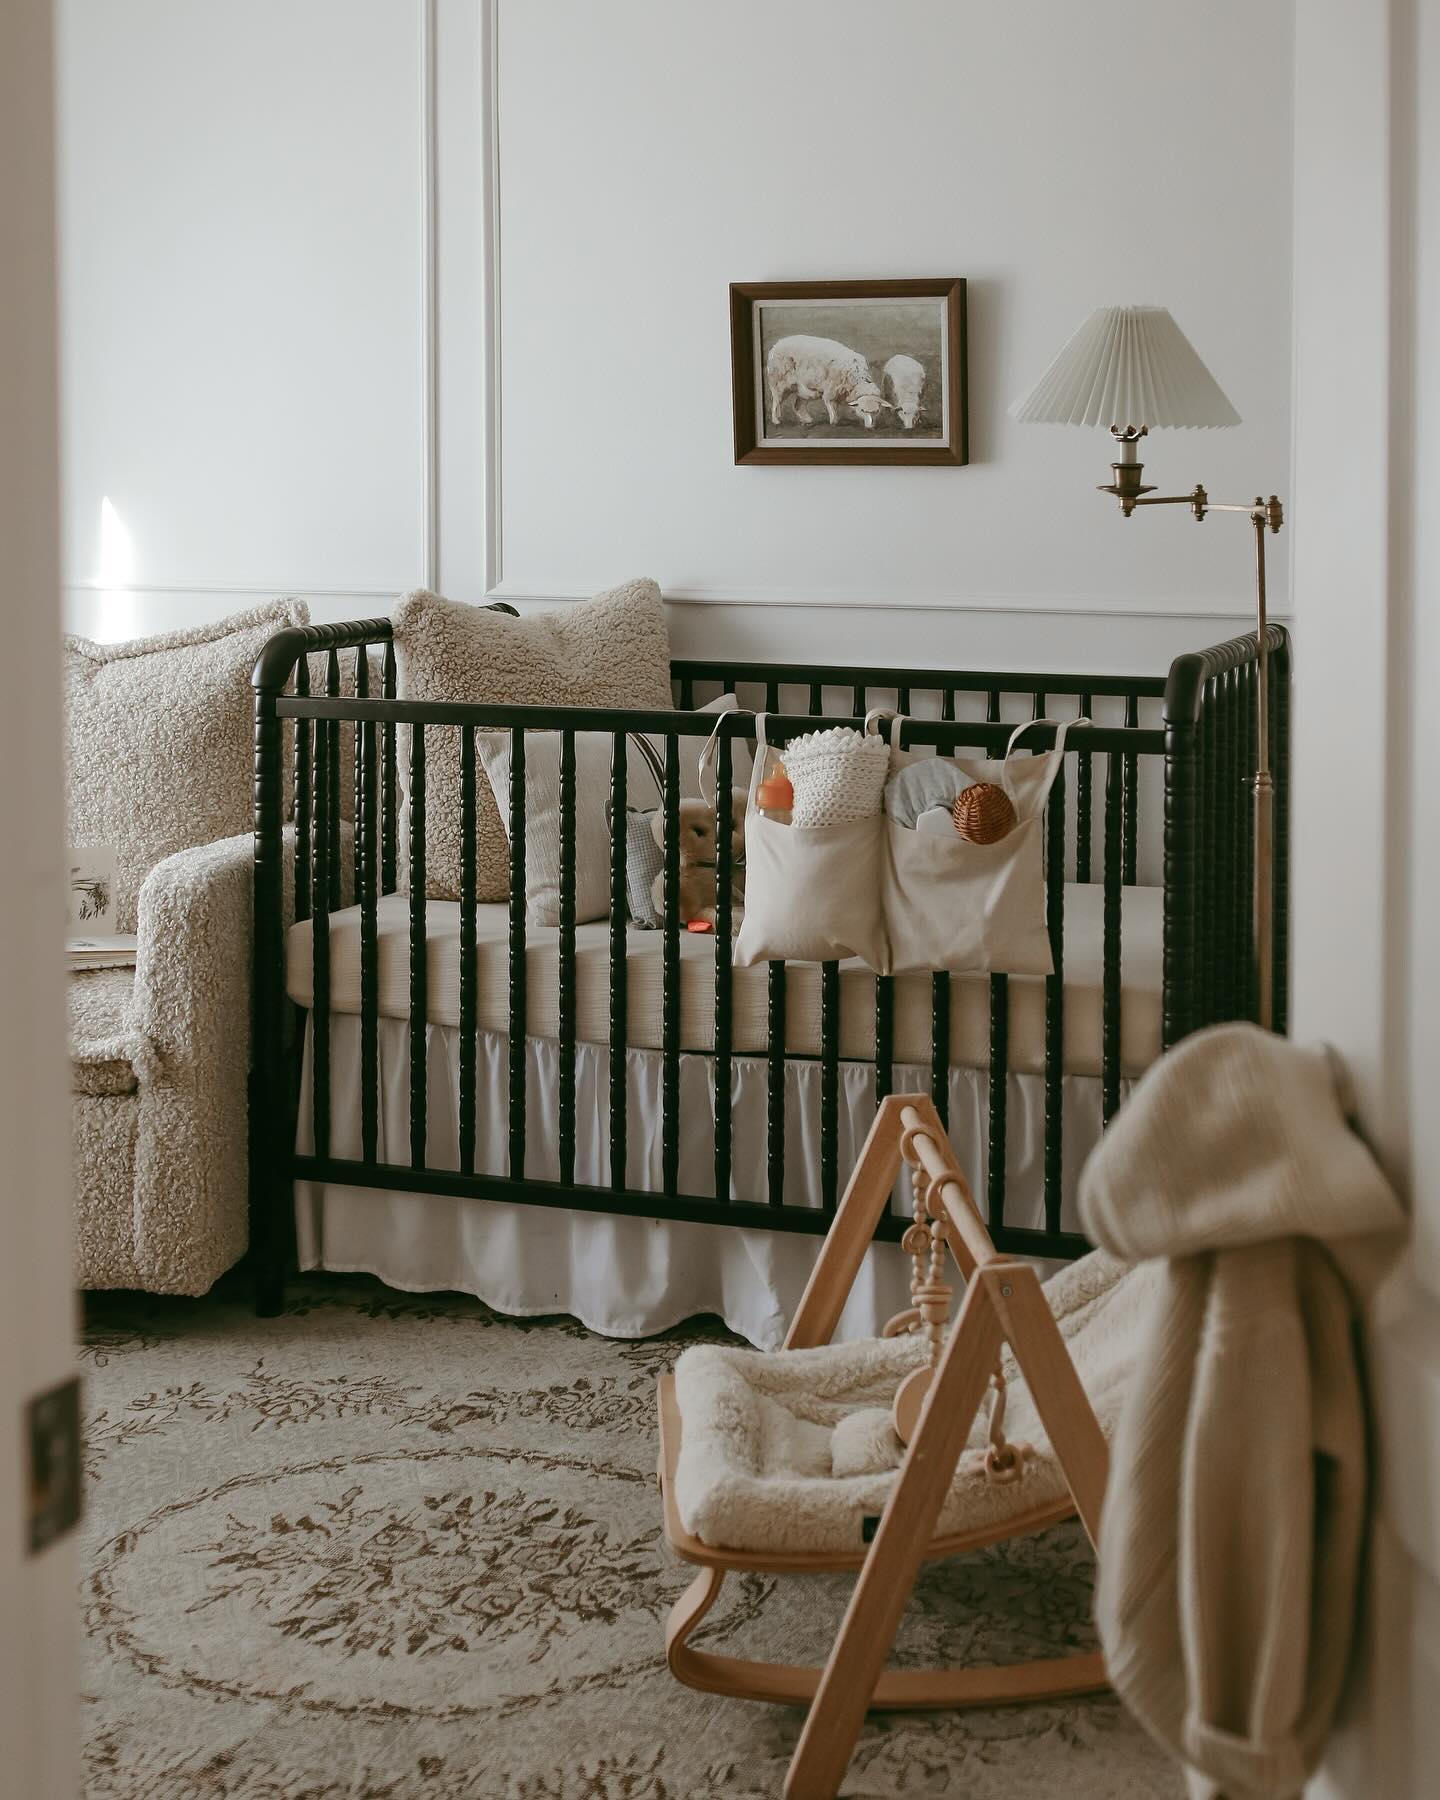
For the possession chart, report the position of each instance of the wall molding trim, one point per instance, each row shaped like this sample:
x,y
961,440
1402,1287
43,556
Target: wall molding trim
x,y
860,600
429,309
492,505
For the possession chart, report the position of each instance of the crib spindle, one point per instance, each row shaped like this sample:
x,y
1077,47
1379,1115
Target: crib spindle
x,y
1130,853
304,737
724,952
1206,972
1231,899
1083,781
331,728
366,831
320,941
518,964
1055,1001
362,692
670,978
1110,990
829,1084
469,1034
775,1084
619,965
884,1037
999,1096
390,783
940,1044
419,967
1279,666
567,958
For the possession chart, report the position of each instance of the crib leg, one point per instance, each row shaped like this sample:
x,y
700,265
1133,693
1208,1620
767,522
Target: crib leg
x,y
267,1261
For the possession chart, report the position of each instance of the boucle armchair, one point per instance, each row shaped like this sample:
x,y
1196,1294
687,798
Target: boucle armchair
x,y
160,1065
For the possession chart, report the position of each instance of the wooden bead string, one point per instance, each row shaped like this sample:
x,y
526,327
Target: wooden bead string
x,y
931,1294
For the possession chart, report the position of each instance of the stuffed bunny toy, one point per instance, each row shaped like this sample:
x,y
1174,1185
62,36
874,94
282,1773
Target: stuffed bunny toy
x,y
697,860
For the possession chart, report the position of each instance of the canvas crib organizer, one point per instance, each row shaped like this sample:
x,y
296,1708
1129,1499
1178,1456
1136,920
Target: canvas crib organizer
x,y
344,944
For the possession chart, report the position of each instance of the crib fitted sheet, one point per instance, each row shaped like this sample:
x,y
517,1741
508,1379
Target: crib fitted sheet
x,y
1141,941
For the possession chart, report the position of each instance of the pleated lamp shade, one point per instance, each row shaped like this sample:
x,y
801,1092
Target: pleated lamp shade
x,y
1127,366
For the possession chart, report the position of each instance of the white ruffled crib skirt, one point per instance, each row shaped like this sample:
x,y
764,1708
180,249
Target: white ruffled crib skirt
x,y
623,1276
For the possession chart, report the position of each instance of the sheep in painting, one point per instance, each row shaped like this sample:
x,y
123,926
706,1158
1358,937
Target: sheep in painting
x,y
903,381
803,368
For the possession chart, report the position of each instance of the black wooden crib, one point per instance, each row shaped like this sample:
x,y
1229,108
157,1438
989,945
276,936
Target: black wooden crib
x,y
1157,786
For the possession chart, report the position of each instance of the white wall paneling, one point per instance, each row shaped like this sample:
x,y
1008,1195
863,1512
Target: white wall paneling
x,y
649,154
247,302
437,292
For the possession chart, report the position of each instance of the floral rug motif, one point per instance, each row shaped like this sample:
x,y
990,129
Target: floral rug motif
x,y
397,1547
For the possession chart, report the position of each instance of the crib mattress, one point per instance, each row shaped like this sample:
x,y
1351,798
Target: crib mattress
x,y
1140,950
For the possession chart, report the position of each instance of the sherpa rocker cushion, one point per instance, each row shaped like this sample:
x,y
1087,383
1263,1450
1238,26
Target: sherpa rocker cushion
x,y
758,1448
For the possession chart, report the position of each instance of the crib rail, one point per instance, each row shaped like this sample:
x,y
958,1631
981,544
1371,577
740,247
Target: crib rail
x,y
316,686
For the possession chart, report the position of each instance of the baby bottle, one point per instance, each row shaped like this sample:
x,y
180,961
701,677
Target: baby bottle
x,y
774,795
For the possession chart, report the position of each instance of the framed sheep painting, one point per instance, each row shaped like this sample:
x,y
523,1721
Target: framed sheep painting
x,y
849,371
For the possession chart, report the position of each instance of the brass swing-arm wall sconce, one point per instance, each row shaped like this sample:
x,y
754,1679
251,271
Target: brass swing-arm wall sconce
x,y
1134,363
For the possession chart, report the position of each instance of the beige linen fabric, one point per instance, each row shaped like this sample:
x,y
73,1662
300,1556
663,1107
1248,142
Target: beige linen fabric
x,y
812,892
610,651
951,904
1234,1517
159,736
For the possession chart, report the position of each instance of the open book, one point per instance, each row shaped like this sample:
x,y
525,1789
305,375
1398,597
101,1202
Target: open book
x,y
92,943
101,950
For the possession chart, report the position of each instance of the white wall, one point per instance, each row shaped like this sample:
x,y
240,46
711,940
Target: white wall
x,y
38,1728
1366,572
280,220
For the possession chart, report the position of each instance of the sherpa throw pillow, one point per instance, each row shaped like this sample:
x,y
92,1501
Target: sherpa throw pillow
x,y
609,651
159,741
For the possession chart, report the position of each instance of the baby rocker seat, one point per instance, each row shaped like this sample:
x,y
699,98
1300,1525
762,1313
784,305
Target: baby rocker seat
x,y
810,1460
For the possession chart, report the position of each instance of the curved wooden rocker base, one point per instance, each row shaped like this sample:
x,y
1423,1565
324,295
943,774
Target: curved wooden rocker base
x,y
899,1690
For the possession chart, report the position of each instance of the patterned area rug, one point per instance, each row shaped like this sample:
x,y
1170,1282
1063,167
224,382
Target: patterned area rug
x,y
390,1546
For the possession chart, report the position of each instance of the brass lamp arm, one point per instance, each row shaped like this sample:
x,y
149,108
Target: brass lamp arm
x,y
1266,512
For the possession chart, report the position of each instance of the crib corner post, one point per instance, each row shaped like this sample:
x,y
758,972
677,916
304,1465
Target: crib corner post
x,y
1178,977
1182,709
269,1101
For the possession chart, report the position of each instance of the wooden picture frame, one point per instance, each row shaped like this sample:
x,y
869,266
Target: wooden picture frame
x,y
893,388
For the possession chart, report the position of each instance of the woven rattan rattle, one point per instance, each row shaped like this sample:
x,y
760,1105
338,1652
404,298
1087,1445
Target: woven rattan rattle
x,y
984,813
924,1241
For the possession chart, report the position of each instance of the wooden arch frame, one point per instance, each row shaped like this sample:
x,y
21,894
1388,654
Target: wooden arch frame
x,y
1003,1304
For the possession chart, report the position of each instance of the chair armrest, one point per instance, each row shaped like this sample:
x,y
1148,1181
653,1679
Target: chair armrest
x,y
192,963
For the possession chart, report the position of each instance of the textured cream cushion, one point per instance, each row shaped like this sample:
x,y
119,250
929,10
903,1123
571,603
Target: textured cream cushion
x,y
102,1031
159,741
609,651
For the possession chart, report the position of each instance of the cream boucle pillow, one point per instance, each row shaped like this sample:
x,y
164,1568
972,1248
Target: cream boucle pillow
x,y
609,651
159,741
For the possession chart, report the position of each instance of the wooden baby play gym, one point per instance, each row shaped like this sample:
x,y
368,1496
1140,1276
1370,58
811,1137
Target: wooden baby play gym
x,y
945,1497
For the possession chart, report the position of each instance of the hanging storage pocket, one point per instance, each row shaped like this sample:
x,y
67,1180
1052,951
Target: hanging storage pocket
x,y
954,904
812,892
